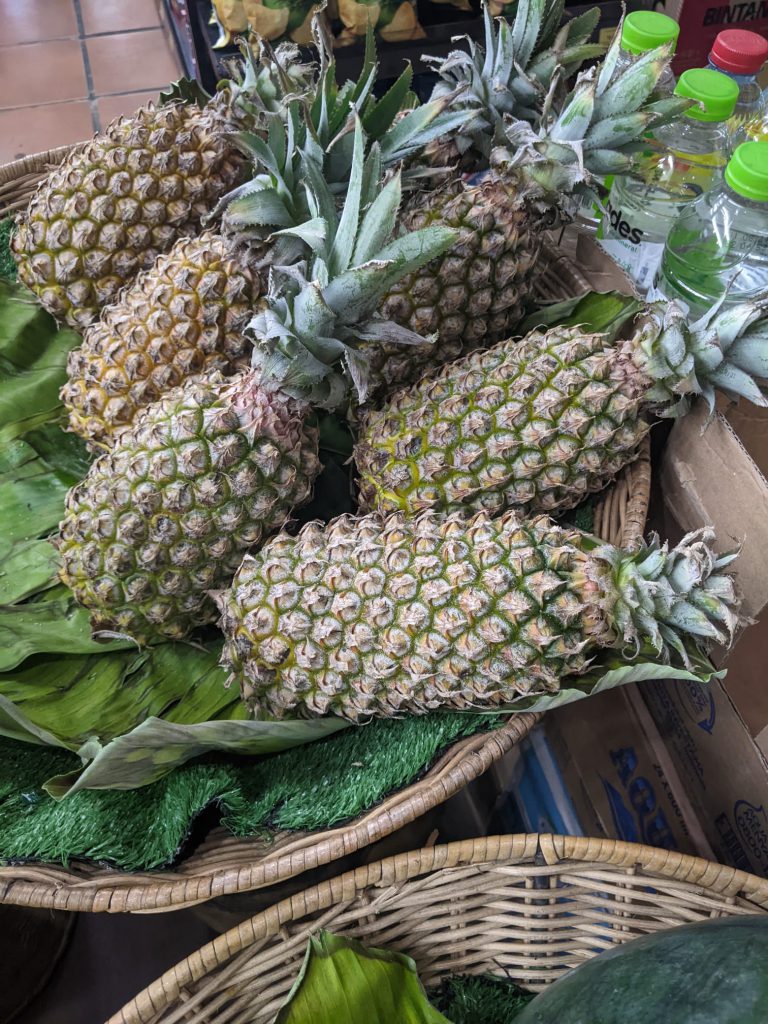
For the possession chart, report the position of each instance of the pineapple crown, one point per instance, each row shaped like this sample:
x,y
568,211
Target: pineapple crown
x,y
310,338
512,74
597,131
656,596
725,350
318,124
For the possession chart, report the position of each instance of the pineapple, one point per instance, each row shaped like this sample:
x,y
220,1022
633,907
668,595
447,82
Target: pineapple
x,y
187,313
184,317
475,294
537,425
112,206
379,616
214,466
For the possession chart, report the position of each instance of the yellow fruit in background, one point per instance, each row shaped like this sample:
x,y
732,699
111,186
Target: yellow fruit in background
x,y
269,22
404,25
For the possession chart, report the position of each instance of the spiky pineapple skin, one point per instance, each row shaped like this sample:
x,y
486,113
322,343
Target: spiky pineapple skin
x,y
474,295
375,616
534,425
111,207
183,317
165,517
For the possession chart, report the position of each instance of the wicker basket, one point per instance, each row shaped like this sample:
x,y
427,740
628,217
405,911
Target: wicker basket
x,y
224,865
525,907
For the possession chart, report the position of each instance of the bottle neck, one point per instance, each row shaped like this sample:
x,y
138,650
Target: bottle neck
x,y
741,80
759,205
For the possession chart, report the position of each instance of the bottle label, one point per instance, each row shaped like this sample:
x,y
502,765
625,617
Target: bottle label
x,y
640,260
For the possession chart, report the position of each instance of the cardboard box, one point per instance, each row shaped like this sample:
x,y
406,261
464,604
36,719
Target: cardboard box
x,y
714,475
724,774
718,735
619,774
533,796
701,20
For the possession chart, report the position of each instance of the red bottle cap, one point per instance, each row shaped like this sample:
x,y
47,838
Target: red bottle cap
x,y
739,51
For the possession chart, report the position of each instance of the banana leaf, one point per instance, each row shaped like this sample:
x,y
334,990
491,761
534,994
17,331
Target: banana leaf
x,y
343,982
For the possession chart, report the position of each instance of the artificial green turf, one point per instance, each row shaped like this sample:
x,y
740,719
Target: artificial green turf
x,y
7,265
484,1000
309,787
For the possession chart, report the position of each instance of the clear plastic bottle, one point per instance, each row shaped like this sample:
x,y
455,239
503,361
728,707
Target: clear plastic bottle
x,y
683,159
641,32
718,246
741,55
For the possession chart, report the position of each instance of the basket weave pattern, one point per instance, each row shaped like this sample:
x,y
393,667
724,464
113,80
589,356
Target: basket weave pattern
x,y
527,907
225,864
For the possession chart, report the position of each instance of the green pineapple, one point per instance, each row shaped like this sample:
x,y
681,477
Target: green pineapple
x,y
538,424
187,314
475,295
209,470
380,616
112,206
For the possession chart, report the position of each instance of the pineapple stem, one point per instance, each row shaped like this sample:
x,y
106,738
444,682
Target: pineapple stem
x,y
658,596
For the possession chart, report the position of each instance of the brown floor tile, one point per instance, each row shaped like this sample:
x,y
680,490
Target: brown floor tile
x,y
111,107
136,60
118,15
30,21
41,73
29,130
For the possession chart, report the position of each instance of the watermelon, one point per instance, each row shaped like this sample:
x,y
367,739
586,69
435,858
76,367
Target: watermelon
x,y
714,972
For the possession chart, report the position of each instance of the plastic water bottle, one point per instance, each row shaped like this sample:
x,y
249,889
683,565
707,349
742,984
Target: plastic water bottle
x,y
718,246
641,32
683,160
741,55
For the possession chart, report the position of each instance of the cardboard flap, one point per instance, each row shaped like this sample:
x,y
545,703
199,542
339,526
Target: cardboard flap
x,y
708,478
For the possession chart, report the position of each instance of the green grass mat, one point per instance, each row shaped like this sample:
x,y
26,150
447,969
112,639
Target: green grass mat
x,y
310,787
7,265
468,1000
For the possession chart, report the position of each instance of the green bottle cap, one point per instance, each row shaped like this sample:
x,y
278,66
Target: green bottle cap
x,y
718,94
747,171
645,30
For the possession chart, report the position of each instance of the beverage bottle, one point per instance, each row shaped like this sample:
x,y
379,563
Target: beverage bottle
x,y
682,161
641,32
718,246
741,55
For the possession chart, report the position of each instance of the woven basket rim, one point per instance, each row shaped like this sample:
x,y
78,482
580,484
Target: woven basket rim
x,y
539,850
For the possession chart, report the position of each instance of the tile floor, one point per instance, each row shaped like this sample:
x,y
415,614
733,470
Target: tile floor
x,y
68,67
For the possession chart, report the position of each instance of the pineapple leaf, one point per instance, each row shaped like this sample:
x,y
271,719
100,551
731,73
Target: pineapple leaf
x,y
574,121
371,176
615,131
382,114
734,382
258,150
259,209
550,16
354,294
313,232
185,90
377,223
629,90
322,199
530,19
344,242
580,29
608,66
